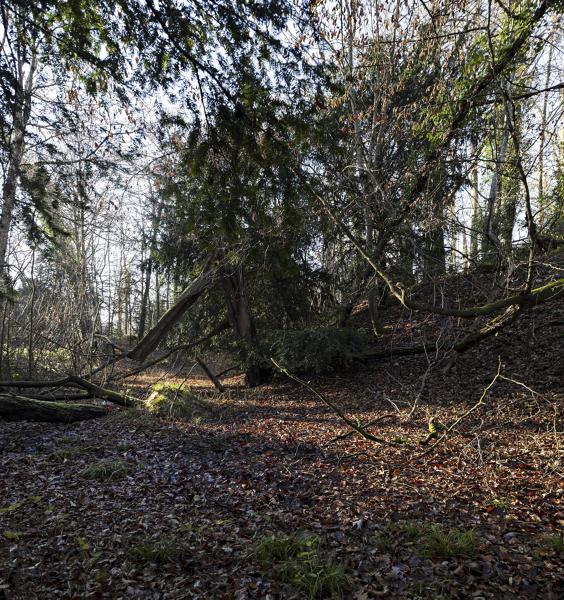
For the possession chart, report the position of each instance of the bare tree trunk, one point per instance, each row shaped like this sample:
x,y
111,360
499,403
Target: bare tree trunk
x,y
490,225
542,138
148,270
373,309
22,111
453,238
476,224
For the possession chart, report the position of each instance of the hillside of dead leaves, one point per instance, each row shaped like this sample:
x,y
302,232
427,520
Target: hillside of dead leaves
x,y
273,461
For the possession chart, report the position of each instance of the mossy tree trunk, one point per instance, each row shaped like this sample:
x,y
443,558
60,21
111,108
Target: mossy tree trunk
x,y
20,408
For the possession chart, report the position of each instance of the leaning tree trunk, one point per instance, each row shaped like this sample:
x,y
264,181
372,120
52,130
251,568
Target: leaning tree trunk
x,y
20,408
188,297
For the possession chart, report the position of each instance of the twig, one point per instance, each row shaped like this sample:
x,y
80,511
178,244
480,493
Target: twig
x,y
344,436
356,426
466,414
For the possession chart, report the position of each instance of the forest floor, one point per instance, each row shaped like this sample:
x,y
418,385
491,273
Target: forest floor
x,y
130,506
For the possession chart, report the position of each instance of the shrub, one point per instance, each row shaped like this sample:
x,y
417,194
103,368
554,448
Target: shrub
x,y
314,351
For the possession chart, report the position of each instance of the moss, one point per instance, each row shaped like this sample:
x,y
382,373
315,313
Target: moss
x,y
176,401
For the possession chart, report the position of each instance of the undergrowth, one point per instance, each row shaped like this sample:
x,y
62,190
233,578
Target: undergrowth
x,y
314,350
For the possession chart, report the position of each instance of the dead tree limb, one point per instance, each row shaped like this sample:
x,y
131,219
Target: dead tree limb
x,y
219,386
355,425
183,347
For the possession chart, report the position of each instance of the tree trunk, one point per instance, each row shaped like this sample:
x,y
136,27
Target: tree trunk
x,y
373,309
542,203
188,297
476,217
151,249
22,109
492,225
19,408
435,252
75,381
242,322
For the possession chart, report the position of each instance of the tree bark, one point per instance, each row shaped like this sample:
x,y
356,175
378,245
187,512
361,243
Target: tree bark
x,y
151,248
374,311
219,386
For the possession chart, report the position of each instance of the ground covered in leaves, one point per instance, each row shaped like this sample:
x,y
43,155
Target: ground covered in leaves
x,y
256,494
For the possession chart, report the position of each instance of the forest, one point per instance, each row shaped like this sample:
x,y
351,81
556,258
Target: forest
x,y
281,299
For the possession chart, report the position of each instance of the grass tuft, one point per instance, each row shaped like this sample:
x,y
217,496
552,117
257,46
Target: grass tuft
x,y
443,542
160,551
382,541
553,541
270,549
106,469
296,559
67,452
435,540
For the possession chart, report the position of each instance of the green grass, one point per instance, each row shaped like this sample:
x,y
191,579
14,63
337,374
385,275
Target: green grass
x,y
435,540
444,542
500,503
67,452
155,550
275,548
296,559
411,529
383,541
554,542
107,469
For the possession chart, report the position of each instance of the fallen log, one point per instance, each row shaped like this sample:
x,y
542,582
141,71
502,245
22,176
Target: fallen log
x,y
20,408
75,381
